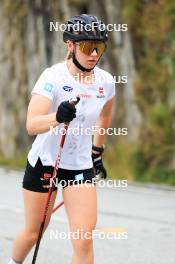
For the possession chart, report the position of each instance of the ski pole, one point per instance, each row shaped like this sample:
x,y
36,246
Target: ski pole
x,y
74,102
57,207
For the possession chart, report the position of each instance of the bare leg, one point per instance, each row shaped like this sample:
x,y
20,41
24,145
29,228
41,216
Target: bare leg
x,y
34,204
81,207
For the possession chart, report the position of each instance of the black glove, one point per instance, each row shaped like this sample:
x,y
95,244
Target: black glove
x,y
66,112
97,161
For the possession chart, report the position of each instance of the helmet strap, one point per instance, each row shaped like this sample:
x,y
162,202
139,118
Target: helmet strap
x,y
78,65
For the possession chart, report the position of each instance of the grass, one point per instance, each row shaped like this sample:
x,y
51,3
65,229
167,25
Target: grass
x,y
117,161
17,163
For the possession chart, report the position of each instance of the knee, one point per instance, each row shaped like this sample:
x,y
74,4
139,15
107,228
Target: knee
x,y
83,245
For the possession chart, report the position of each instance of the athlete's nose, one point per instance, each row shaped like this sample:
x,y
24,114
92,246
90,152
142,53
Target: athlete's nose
x,y
94,53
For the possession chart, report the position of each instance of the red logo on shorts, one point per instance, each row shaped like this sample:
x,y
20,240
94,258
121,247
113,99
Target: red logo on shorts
x,y
47,176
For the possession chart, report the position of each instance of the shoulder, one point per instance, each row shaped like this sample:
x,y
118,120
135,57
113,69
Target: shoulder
x,y
47,82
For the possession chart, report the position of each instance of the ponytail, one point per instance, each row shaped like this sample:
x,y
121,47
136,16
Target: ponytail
x,y
68,55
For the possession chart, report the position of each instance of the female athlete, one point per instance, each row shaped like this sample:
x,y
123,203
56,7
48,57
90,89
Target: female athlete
x,y
49,108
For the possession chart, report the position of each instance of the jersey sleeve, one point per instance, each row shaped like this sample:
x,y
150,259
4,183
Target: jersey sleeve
x,y
45,85
111,89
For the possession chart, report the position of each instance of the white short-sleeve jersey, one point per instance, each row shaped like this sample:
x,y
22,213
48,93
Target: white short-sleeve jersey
x,y
57,84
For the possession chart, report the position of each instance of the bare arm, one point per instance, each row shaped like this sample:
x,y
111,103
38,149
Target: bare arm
x,y
38,119
103,121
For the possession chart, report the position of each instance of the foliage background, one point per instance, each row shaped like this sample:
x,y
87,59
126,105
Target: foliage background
x,y
146,53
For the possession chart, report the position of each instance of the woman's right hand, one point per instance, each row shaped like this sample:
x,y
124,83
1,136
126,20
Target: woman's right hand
x,y
65,112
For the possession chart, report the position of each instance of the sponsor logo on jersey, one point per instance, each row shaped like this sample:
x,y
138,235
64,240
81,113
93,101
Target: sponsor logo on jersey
x,y
84,95
100,92
48,87
67,88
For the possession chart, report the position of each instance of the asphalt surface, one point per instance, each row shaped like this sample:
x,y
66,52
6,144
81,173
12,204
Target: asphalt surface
x,y
146,213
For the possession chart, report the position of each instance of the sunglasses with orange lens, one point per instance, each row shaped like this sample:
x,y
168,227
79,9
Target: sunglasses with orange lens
x,y
87,47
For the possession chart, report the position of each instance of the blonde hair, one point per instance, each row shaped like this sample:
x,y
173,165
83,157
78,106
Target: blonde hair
x,y
68,55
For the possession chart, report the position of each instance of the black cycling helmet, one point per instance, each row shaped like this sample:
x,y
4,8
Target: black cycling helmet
x,y
85,27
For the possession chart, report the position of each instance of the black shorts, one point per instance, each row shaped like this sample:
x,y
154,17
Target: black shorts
x,y
37,178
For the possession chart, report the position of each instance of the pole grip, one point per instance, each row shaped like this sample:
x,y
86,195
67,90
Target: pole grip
x,y
74,101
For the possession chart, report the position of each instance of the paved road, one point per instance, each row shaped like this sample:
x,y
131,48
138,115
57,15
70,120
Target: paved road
x,y
147,213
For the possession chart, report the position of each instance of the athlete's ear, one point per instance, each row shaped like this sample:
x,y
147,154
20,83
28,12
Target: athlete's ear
x,y
70,45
